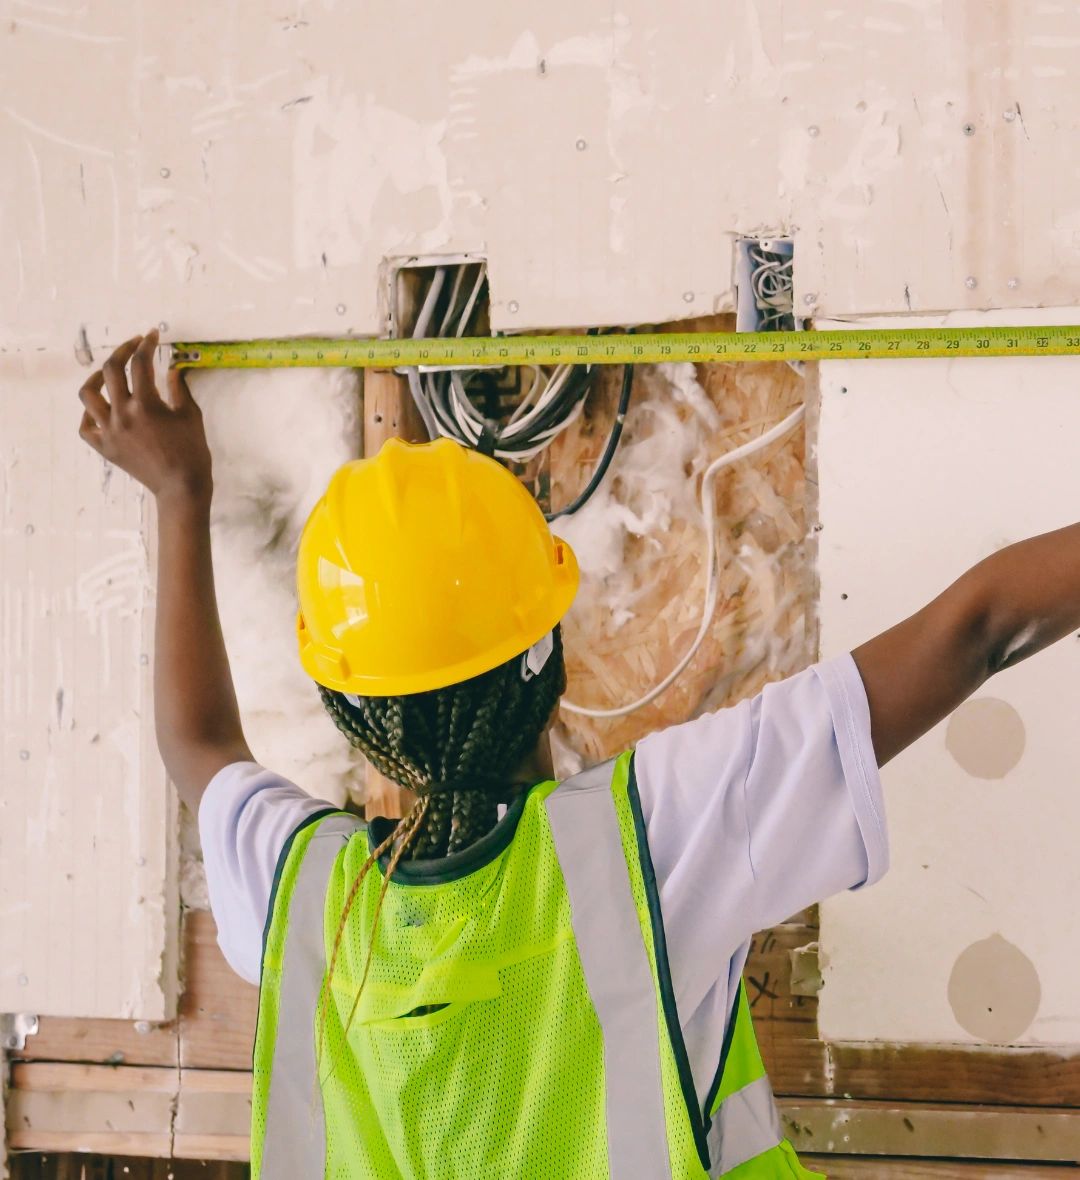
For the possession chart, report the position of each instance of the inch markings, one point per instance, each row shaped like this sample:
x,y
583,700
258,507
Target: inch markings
x,y
641,348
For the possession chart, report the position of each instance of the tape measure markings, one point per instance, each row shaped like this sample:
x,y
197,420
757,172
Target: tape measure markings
x,y
642,348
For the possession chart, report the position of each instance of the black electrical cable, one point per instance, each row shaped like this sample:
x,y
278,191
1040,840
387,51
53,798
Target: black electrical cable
x,y
609,450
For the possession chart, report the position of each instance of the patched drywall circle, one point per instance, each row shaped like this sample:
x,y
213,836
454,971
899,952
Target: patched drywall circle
x,y
986,736
994,991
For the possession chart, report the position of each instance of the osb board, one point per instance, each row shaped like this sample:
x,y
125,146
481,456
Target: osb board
x,y
87,847
252,181
640,604
926,468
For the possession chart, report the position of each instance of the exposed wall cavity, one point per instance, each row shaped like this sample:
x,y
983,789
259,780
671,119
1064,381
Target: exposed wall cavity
x,y
641,544
277,436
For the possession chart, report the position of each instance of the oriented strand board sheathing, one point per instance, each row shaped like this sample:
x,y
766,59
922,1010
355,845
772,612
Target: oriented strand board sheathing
x,y
247,172
640,542
87,875
926,468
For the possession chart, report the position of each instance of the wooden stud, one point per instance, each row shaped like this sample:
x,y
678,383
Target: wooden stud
x,y
218,1010
389,412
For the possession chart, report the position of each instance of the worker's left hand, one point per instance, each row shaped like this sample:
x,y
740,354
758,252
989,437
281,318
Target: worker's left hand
x,y
159,442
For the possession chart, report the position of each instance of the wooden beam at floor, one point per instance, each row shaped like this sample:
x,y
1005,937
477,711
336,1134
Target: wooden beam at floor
x,y
928,1129
218,1014
855,1168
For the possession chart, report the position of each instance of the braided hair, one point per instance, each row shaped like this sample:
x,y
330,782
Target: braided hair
x,y
457,748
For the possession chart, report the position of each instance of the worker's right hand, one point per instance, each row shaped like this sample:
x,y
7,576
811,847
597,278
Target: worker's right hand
x,y
160,443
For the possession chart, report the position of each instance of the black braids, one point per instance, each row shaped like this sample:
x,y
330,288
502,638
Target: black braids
x,y
473,732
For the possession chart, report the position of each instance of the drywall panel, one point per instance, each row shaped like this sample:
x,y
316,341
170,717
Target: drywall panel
x,y
244,170
926,467
87,896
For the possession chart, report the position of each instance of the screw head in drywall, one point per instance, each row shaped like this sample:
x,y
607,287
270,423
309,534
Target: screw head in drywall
x,y
688,296
1012,284
810,298
142,1026
813,131
971,282
1009,115
22,980
340,309
163,326
165,173
581,145
24,755
29,530
969,128
512,306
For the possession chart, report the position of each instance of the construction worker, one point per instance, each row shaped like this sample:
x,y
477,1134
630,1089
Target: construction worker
x,y
521,978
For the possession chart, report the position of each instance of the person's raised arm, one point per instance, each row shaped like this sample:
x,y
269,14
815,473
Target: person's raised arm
x,y
161,443
1009,606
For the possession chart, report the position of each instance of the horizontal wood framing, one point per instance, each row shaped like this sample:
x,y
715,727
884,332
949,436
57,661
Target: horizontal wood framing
x,y
201,1062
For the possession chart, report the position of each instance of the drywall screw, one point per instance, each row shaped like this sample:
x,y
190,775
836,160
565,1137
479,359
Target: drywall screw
x,y
1012,284
1010,115
141,862
340,309
688,297
24,755
971,282
165,174
813,131
29,530
809,298
163,326
142,1026
969,128
23,980
144,659
512,306
581,145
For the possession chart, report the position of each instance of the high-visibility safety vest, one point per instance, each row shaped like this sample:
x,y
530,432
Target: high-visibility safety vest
x,y
518,1019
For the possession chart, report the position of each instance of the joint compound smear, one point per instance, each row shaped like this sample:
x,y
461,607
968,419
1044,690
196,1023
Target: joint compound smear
x,y
277,436
986,737
994,991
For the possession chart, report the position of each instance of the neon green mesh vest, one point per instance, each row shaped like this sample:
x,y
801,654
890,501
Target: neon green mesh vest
x,y
518,1019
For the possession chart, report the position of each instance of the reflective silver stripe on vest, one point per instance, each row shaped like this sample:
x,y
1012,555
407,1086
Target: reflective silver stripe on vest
x,y
613,956
746,1125
294,1141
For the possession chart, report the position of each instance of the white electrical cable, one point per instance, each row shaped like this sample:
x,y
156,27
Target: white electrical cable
x,y
708,506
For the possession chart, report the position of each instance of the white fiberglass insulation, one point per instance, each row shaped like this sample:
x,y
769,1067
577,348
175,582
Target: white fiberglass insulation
x,y
277,435
641,547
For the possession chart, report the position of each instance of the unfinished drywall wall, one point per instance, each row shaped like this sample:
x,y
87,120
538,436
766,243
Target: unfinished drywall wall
x,y
245,170
928,467
87,842
251,180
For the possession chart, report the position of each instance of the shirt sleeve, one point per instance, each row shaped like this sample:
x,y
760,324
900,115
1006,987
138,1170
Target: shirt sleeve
x,y
755,812
245,818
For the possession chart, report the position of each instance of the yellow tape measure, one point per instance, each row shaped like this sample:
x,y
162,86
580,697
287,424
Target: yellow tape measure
x,y
623,348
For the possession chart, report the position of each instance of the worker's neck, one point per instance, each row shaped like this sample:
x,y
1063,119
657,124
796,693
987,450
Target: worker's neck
x,y
537,765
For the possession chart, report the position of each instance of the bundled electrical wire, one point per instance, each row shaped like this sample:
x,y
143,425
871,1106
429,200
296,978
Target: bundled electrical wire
x,y
554,400
772,286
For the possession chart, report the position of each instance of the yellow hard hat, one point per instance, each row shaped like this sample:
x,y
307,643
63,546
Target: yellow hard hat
x,y
422,567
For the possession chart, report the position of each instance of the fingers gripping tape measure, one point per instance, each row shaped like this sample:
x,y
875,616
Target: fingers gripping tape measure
x,y
622,349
